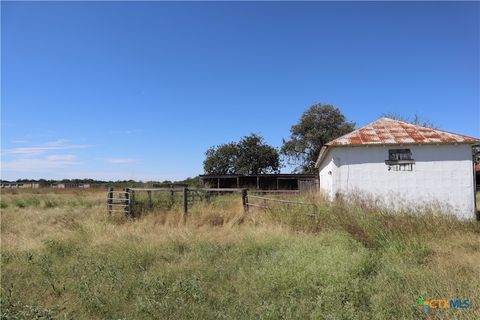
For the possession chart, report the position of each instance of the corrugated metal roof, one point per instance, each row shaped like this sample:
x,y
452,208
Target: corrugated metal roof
x,y
390,131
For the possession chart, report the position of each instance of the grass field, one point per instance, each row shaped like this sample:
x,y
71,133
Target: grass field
x,y
64,258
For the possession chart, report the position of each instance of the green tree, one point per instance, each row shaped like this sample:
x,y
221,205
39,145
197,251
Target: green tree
x,y
221,159
256,157
318,125
248,156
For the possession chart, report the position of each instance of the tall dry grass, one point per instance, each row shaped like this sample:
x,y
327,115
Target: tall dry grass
x,y
64,257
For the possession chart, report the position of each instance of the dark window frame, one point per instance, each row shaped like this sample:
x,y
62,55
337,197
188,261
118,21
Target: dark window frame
x,y
400,160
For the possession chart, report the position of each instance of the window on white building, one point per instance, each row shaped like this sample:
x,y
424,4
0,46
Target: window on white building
x,y
400,160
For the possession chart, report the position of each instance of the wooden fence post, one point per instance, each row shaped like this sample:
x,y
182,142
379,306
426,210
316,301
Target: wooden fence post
x,y
132,202
150,203
185,204
109,200
171,200
245,200
127,201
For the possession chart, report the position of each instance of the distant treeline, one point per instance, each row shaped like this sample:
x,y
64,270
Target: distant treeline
x,y
191,182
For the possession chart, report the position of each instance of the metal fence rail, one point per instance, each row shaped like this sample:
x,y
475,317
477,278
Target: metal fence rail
x,y
126,199
280,200
118,199
286,202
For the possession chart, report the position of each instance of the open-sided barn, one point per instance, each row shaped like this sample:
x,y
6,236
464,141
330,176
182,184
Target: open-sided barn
x,y
277,181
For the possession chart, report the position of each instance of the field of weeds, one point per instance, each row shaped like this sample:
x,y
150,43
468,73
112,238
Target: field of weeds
x,y
64,258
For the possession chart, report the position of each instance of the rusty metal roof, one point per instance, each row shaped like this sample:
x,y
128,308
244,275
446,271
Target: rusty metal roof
x,y
390,131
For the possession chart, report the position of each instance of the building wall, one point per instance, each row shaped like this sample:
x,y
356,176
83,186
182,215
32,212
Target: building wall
x,y
442,174
326,176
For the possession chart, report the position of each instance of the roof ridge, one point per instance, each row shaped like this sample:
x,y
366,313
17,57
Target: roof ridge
x,y
410,134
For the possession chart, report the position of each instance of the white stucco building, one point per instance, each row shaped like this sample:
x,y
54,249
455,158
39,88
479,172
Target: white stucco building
x,y
403,165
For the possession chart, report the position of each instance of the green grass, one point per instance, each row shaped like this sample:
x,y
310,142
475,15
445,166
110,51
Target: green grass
x,y
352,261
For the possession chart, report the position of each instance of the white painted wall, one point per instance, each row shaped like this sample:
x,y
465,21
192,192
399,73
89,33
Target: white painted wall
x,y
442,174
326,176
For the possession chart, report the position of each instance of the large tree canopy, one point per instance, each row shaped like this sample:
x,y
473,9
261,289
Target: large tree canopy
x,y
248,156
318,125
221,159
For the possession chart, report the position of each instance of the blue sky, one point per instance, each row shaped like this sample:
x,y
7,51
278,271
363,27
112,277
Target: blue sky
x,y
123,90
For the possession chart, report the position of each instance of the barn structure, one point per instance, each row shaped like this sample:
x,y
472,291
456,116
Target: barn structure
x,y
402,165
280,181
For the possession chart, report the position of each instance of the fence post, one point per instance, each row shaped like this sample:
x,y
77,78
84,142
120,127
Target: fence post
x,y
150,203
109,200
245,200
127,201
171,200
132,202
185,204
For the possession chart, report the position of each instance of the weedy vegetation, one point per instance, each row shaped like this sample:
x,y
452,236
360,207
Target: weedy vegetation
x,y
64,258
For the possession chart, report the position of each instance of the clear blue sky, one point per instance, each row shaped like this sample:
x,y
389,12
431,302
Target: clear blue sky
x,y
120,90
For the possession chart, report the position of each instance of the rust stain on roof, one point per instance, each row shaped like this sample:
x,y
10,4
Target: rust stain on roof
x,y
390,131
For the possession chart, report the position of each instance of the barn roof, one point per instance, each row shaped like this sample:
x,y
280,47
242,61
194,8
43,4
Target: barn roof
x,y
387,131
390,131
